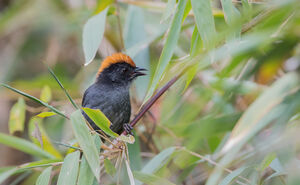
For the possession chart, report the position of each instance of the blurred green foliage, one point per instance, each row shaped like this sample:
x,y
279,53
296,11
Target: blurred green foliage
x,y
231,118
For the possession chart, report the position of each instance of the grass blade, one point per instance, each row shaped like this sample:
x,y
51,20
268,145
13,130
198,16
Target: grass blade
x,y
151,179
205,22
63,88
6,174
86,142
86,175
44,178
69,170
24,146
168,49
36,100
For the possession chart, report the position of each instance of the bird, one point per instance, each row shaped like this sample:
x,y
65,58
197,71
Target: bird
x,y
110,92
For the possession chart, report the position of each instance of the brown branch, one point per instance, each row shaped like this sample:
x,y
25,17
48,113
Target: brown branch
x,y
150,102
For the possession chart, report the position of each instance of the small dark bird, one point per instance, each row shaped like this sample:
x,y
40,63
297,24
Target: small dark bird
x,y
110,92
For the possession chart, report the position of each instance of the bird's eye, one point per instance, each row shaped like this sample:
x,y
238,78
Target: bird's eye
x,y
124,70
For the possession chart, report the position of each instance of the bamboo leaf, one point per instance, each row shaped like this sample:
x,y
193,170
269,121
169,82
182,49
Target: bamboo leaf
x,y
170,8
158,161
109,167
205,22
36,100
100,120
39,136
6,174
46,94
69,170
17,116
230,177
86,175
63,88
168,49
86,142
45,114
92,35
44,178
151,179
24,146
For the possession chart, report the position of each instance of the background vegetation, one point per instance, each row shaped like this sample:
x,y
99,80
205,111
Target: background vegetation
x,y
231,117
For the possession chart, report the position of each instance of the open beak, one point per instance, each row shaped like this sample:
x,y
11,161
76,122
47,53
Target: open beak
x,y
138,72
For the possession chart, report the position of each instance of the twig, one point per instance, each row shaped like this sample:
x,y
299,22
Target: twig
x,y
149,103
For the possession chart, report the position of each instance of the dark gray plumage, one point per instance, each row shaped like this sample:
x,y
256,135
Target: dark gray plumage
x,y
110,94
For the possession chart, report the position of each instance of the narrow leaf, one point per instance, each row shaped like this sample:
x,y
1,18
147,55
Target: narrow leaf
x,y
92,35
69,170
205,22
45,114
158,161
17,116
6,174
63,88
44,178
86,142
230,177
168,49
168,11
39,136
151,179
24,146
100,120
86,175
36,100
231,14
46,94
109,167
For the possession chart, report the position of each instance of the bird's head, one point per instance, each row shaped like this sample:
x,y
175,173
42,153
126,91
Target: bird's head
x,y
119,69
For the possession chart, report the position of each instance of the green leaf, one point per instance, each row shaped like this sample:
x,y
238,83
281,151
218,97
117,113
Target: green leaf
x,y
134,152
100,120
17,116
196,43
232,15
86,142
187,10
170,8
151,179
86,175
267,161
92,35
205,22
63,88
69,170
109,167
46,94
6,174
168,49
230,177
45,114
44,178
24,146
102,4
158,161
135,33
266,109
39,136
36,100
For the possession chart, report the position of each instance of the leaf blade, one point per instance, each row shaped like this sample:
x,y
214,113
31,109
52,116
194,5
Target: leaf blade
x,y
69,169
86,142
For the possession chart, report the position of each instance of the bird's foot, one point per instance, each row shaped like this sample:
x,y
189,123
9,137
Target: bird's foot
x,y
128,128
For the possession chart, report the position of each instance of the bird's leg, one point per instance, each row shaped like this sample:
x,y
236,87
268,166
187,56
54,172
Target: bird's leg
x,y
128,128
